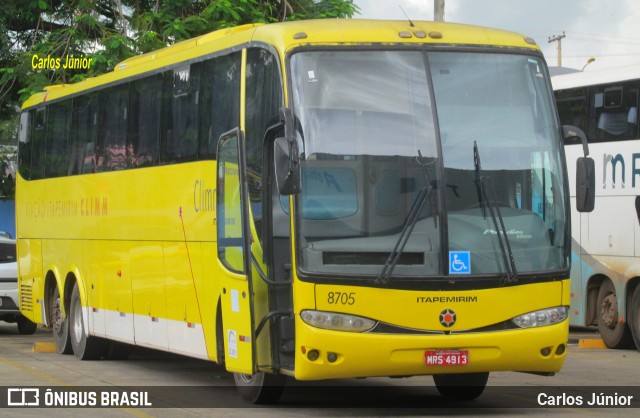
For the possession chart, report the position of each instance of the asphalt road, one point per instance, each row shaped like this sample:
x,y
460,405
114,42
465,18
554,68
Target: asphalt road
x,y
179,386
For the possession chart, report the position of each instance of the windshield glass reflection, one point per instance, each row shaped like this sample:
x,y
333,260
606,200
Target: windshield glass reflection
x,y
369,149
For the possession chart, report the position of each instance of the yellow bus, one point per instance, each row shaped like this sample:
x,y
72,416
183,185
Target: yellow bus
x,y
308,200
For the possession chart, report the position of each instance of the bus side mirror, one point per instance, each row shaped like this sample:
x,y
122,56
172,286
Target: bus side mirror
x,y
286,166
585,184
585,171
569,131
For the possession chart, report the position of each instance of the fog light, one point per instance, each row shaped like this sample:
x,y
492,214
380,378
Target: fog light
x,y
313,355
561,349
545,351
332,357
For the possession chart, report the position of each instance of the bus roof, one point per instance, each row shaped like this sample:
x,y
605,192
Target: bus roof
x,y
288,35
595,77
363,31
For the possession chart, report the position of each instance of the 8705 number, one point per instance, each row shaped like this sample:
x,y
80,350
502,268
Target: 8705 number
x,y
341,298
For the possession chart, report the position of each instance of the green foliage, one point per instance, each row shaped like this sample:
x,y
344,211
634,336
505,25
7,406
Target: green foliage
x,y
7,188
8,130
110,31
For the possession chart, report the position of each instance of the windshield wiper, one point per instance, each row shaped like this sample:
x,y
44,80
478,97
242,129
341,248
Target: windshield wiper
x,y
409,223
496,217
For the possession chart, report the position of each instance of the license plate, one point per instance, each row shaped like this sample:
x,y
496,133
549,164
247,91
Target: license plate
x,y
446,357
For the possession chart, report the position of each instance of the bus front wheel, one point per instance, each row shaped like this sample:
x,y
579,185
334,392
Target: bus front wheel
x,y
259,388
614,333
634,317
461,387
60,324
84,347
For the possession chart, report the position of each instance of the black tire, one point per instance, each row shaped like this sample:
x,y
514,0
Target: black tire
x,y
220,337
613,333
85,347
461,387
633,317
25,326
117,351
60,324
259,388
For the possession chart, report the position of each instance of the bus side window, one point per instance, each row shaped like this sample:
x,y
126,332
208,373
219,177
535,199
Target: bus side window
x,y
631,110
613,113
83,135
58,127
24,144
145,104
219,101
573,110
38,146
112,129
263,103
180,118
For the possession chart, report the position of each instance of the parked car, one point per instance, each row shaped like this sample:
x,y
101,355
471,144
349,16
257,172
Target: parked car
x,y
9,305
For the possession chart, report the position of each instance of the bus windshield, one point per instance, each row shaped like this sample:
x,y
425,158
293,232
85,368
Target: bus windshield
x,y
389,142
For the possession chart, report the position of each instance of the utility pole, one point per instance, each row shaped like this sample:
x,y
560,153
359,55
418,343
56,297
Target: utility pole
x,y
559,39
438,10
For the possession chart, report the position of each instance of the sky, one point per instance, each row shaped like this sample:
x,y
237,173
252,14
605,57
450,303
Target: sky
x,y
608,30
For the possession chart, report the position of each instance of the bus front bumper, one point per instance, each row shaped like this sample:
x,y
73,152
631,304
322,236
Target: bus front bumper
x,y
325,354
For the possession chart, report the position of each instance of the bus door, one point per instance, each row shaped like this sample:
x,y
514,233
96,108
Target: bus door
x,y
233,253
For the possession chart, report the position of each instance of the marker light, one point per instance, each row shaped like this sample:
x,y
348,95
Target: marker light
x,y
337,321
542,317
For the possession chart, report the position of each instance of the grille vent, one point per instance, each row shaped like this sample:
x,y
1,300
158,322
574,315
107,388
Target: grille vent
x,y
26,298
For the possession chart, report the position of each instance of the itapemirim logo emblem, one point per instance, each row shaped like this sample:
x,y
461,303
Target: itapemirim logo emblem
x,y
447,318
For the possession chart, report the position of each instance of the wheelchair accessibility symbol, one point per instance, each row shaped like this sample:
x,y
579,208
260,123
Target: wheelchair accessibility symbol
x,y
459,262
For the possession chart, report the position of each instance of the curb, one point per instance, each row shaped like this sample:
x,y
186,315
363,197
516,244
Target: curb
x,y
44,347
591,343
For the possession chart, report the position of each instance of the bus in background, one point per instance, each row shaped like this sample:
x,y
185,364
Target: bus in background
x,y
313,200
605,273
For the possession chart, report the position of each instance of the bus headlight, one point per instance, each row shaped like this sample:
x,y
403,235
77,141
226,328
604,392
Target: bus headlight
x,y
542,317
337,321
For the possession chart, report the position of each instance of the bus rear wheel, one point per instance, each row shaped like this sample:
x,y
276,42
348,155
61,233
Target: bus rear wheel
x,y
84,347
259,388
114,350
25,326
634,317
60,324
614,333
461,387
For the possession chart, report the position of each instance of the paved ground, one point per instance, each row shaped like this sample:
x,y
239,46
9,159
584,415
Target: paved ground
x,y
176,378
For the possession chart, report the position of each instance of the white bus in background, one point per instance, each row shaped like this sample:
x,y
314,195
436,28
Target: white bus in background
x,y
605,274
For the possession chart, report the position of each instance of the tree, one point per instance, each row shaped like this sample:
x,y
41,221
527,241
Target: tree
x,y
109,31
